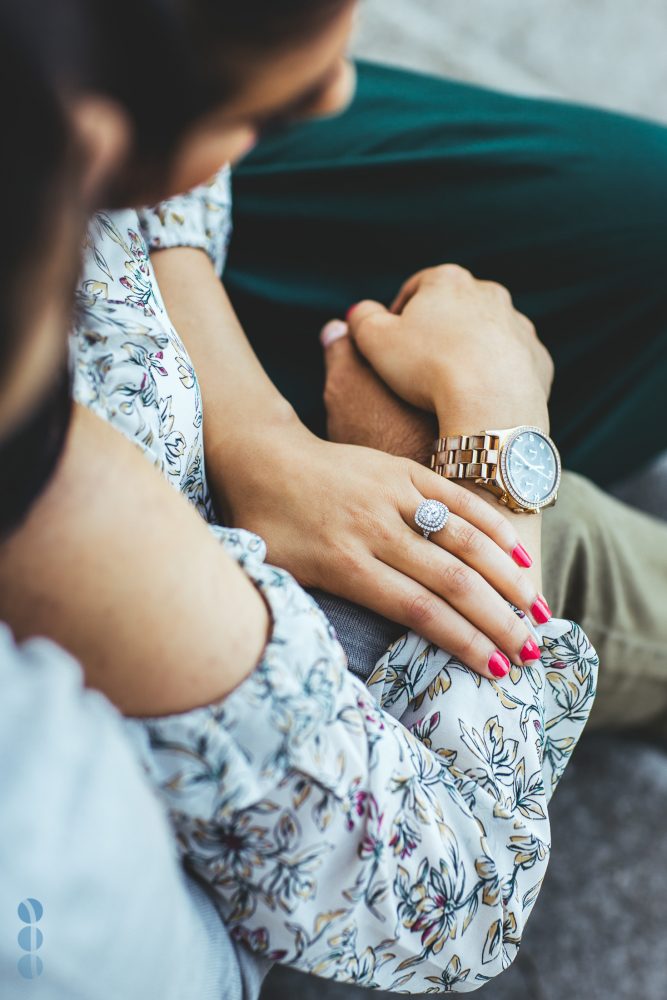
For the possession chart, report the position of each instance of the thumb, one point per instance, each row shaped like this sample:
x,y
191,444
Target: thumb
x,y
368,324
336,342
340,354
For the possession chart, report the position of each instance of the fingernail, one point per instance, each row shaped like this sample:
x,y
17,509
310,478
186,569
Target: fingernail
x,y
530,651
333,331
521,557
541,611
350,311
499,665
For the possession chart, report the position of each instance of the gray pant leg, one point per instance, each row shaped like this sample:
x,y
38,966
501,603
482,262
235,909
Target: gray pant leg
x,y
363,635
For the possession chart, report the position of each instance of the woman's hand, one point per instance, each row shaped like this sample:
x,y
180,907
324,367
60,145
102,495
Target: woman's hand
x,y
458,347
341,518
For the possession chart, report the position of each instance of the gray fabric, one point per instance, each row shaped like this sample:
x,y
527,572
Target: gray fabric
x,y
363,635
234,972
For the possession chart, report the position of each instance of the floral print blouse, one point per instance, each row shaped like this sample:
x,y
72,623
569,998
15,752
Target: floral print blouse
x,y
393,835
130,366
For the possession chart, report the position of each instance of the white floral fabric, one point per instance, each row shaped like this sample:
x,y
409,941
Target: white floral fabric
x,y
201,218
129,364
398,849
394,836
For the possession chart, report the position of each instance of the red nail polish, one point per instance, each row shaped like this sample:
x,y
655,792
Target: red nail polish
x,y
499,665
521,557
541,611
350,311
530,651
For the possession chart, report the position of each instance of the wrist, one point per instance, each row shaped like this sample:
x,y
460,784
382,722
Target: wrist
x,y
477,412
241,462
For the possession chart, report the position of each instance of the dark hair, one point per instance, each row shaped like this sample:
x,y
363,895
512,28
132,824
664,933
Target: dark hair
x,y
198,54
34,168
167,61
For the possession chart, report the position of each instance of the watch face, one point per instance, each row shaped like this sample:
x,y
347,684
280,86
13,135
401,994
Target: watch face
x,y
531,468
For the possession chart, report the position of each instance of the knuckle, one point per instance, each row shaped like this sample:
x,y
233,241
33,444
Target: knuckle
x,y
369,325
528,327
466,504
470,648
458,580
364,522
348,560
498,526
421,612
452,273
520,588
499,292
469,540
511,633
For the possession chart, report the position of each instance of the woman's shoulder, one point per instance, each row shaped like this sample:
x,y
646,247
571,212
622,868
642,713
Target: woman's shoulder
x,y
128,363
116,265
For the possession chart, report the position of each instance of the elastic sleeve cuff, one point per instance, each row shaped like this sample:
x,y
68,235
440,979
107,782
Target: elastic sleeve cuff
x,y
284,717
201,218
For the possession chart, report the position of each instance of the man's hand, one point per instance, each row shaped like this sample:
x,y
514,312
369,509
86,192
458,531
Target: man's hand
x,y
363,410
458,347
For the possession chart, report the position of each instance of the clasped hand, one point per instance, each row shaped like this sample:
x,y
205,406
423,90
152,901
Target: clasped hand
x,y
340,514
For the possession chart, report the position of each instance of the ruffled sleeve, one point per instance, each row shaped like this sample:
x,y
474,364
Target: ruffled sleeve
x,y
398,855
202,218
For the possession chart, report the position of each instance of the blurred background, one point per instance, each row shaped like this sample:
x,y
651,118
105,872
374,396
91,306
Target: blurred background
x,y
607,52
599,927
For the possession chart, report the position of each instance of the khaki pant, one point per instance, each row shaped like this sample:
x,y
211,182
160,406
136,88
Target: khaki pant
x,y
605,566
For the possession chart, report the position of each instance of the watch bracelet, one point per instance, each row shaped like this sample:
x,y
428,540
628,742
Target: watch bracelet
x,y
466,456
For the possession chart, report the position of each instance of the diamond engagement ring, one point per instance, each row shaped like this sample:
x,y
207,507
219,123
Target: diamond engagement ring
x,y
431,516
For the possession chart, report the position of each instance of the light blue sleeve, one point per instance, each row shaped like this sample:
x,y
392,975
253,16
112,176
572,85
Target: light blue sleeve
x,y
93,902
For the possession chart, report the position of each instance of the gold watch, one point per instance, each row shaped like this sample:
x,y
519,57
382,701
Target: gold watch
x,y
520,465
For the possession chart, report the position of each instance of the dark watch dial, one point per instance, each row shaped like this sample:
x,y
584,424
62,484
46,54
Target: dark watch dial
x,y
531,468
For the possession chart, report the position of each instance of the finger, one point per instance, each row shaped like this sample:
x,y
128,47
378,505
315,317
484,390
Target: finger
x,y
467,592
363,311
497,291
484,516
345,369
477,550
407,291
343,360
472,509
369,323
452,275
334,332
406,601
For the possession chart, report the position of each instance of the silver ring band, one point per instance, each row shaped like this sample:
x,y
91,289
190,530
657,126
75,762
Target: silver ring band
x,y
431,516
